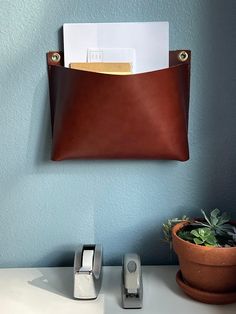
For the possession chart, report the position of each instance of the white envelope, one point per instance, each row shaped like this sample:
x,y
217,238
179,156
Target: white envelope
x,y
150,41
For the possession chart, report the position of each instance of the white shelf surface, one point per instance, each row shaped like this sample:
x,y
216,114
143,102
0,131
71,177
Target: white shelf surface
x,y
50,291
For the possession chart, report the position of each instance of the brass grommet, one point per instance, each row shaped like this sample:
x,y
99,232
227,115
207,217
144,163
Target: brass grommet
x,y
183,56
55,57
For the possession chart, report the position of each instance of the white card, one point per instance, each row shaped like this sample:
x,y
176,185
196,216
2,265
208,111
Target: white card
x,y
150,41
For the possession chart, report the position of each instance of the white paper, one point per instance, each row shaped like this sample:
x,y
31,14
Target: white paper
x,y
112,55
150,40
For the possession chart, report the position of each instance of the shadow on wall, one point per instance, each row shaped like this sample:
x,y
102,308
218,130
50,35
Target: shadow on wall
x,y
60,257
40,135
217,111
146,241
41,108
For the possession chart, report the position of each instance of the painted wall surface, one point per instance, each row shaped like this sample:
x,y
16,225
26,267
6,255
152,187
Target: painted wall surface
x,y
47,208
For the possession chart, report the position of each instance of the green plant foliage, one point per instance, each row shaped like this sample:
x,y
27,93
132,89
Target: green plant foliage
x,y
204,236
167,227
214,230
186,235
216,222
232,235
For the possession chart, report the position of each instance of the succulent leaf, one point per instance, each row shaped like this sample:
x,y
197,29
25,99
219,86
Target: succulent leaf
x,y
223,219
205,216
197,241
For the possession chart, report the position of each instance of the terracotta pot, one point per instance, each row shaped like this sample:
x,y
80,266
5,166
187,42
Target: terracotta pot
x,y
211,269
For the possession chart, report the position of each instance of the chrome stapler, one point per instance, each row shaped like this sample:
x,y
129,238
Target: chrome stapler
x,y
87,271
132,286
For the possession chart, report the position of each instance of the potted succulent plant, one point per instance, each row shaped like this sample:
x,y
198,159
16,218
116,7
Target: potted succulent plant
x,y
206,250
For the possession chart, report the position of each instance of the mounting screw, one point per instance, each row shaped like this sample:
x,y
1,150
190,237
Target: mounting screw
x,y
55,57
183,56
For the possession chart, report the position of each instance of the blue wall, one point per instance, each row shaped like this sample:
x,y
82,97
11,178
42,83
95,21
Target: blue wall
x,y
47,208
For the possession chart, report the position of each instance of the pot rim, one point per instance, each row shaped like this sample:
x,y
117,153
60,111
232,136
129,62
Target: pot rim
x,y
181,225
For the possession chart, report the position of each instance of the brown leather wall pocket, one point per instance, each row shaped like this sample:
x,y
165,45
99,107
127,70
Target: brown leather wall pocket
x,y
104,116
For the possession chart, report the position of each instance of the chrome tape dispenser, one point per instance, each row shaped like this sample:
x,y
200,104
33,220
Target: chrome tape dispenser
x,y
87,271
